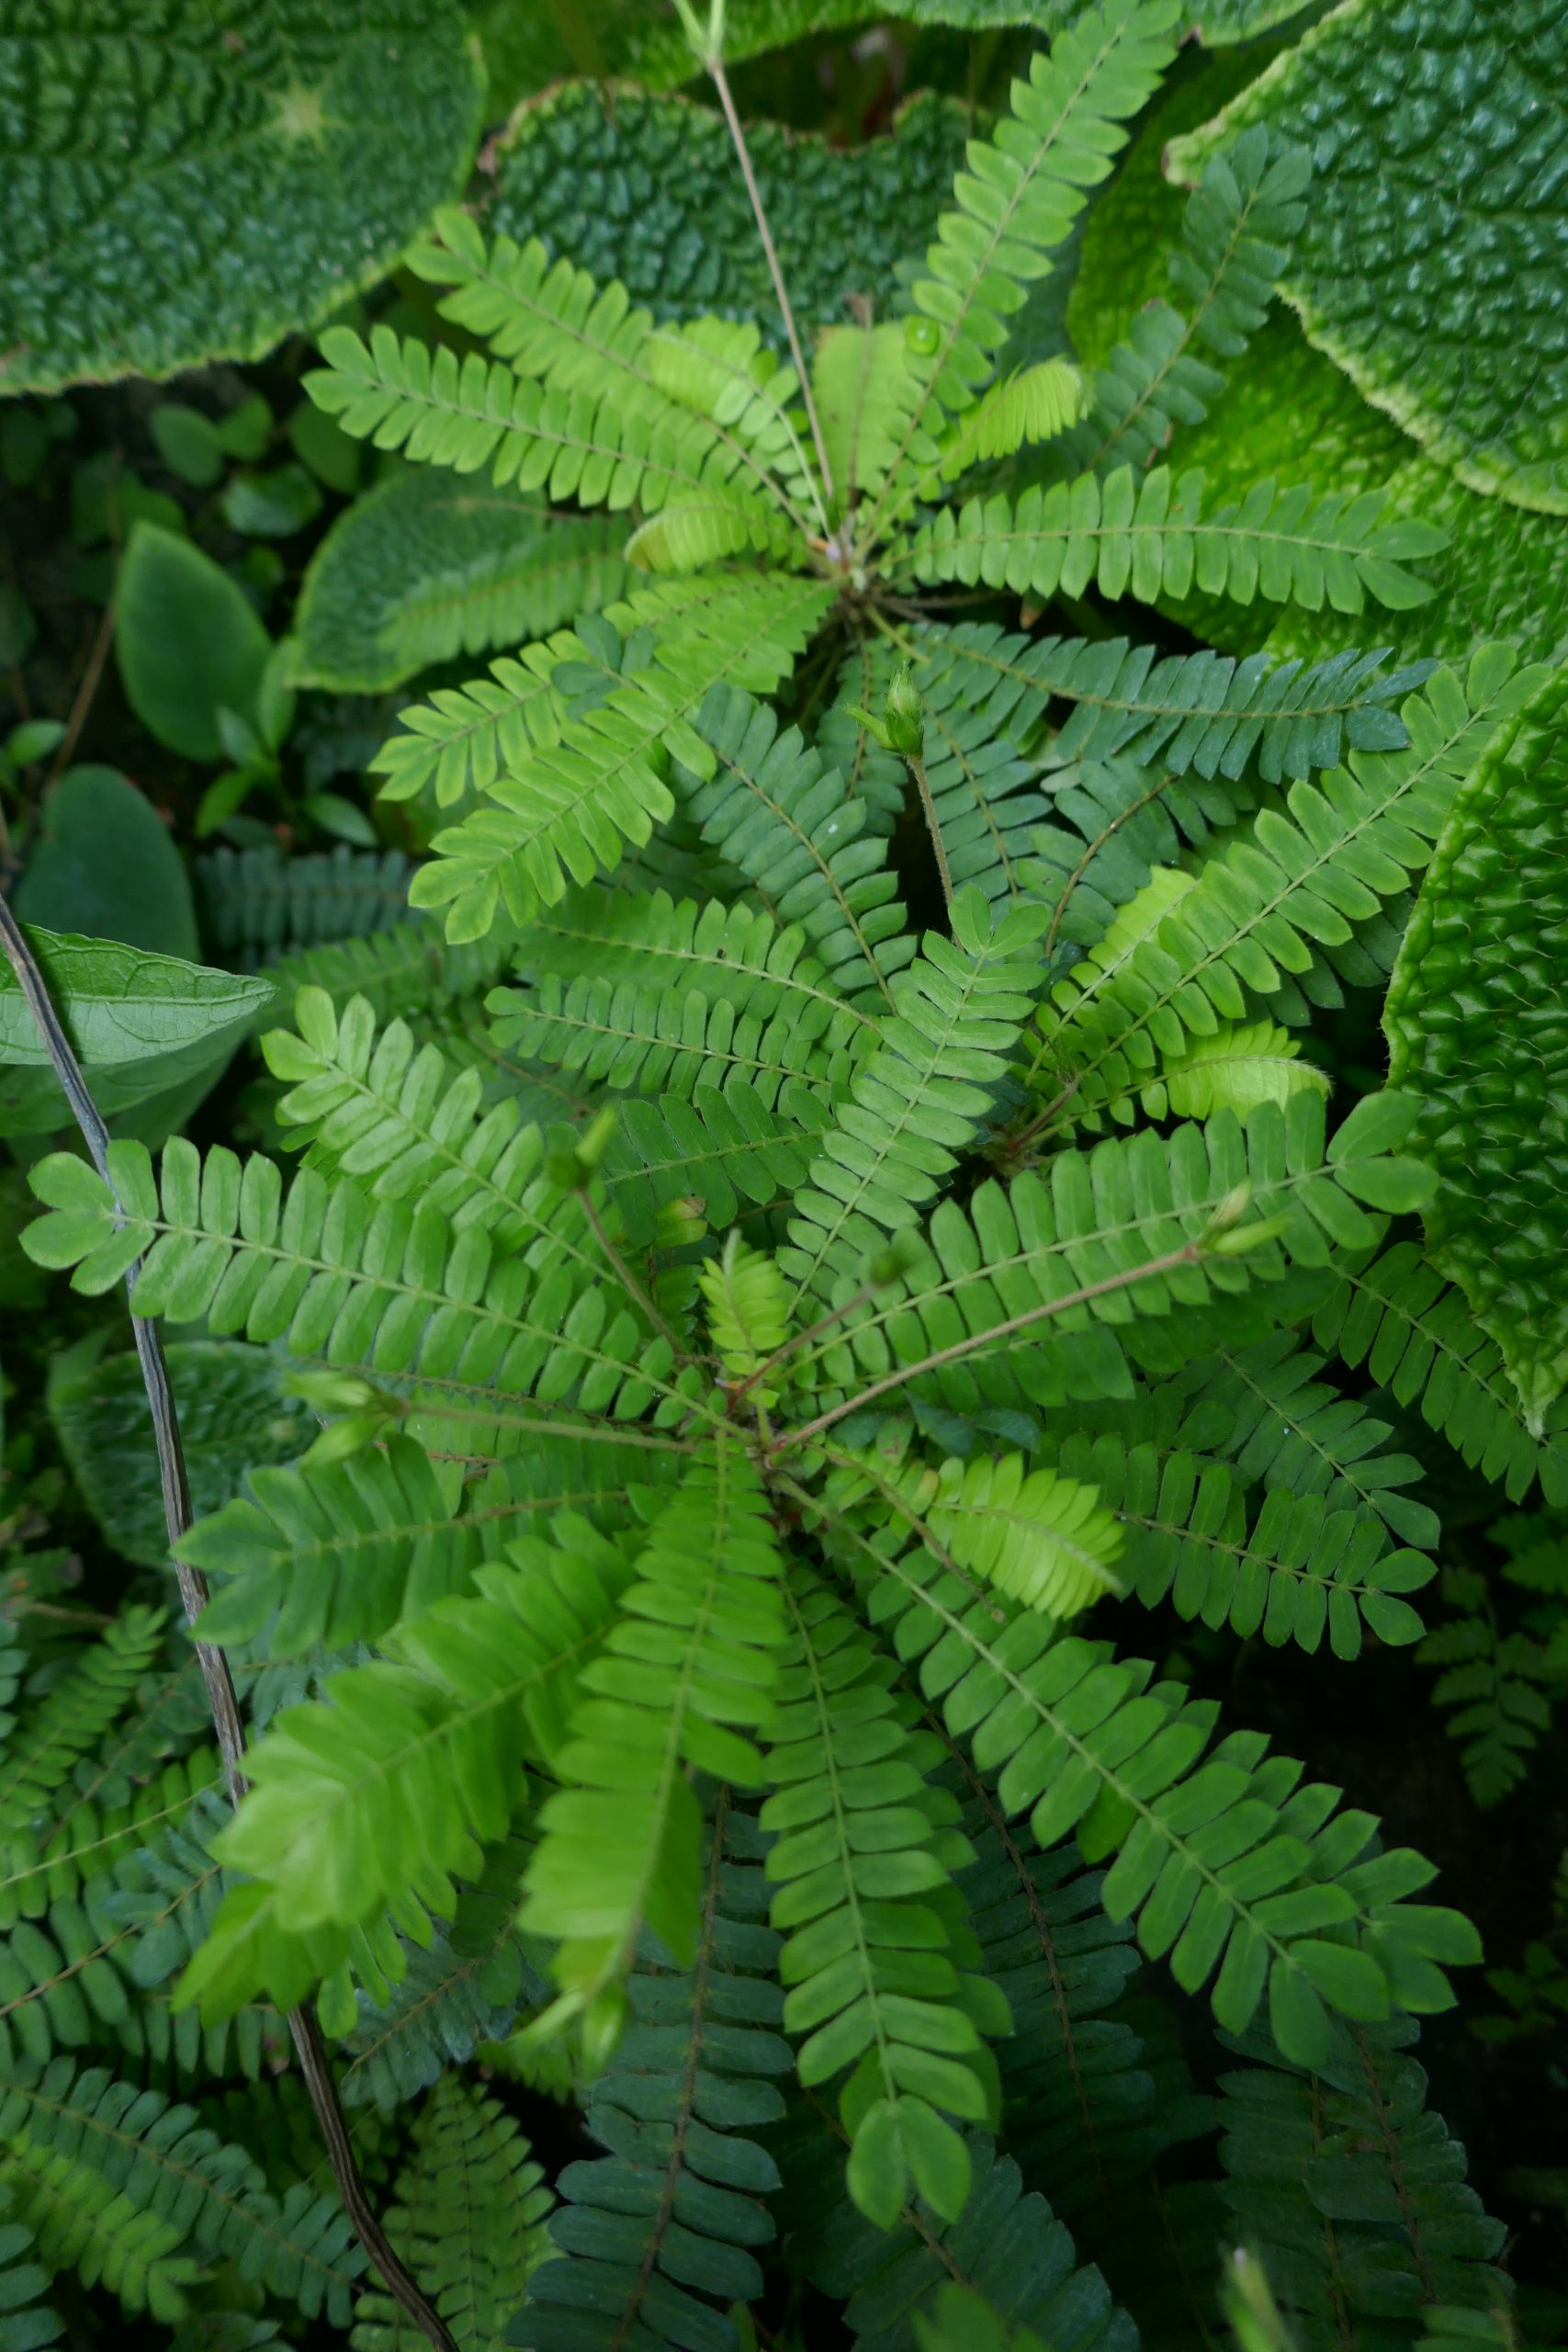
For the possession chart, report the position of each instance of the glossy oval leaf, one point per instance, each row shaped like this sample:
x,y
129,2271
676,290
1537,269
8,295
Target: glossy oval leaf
x,y
193,189
189,642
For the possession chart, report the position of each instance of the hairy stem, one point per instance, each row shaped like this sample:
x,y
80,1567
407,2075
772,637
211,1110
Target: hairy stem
x,y
918,770
314,2065
624,1275
721,84
1188,1255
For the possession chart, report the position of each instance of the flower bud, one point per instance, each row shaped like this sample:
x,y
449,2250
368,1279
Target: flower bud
x,y
903,719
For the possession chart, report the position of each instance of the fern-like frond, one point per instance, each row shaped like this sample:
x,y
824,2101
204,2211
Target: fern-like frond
x,y
1033,404
123,2150
410,968
1354,2187
1495,1691
861,1857
1239,226
1417,1339
738,953
747,1310
74,1715
1146,535
1026,184
469,2213
1007,2245
629,1036
717,1156
770,810
457,1996
869,386
923,1095
685,1680
379,1795
262,905
656,2236
567,808
1226,1863
339,1551
1047,1540
555,324
588,442
1289,887
1303,1566
388,1287
1235,1068
1291,1430
722,368
1112,1242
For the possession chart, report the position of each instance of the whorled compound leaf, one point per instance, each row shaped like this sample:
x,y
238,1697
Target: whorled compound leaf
x,y
649,191
140,1023
1430,264
102,864
233,1416
184,186
188,640
431,565
1477,1023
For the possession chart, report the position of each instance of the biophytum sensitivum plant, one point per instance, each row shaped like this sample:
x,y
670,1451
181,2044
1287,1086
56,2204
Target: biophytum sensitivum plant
x,y
754,1331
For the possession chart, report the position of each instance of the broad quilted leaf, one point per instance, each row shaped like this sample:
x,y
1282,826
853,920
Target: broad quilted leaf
x,y
185,186
1438,234
1477,1029
649,192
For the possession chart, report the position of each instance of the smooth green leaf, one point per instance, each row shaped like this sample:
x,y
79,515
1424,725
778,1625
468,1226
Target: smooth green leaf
x,y
188,640
102,864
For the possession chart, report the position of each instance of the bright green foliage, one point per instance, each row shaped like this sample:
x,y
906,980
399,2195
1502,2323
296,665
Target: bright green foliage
x,y
1238,234
1300,1566
1353,2188
256,184
685,1679
115,2179
1260,911
1480,385
1045,1539
1019,197
1473,1030
1152,537
768,806
1221,1862
791,1206
921,1096
1417,1339
868,1966
470,2207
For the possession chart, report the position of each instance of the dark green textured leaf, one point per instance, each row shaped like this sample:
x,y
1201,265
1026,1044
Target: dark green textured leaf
x,y
1477,1027
653,195
103,865
1288,410
185,186
233,1416
1436,243
188,640
431,565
